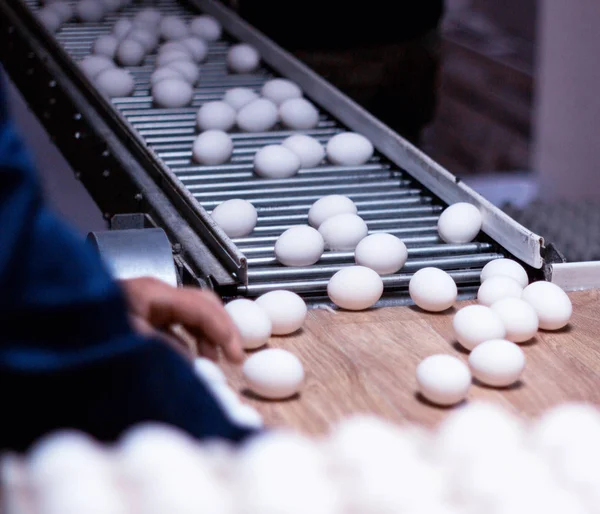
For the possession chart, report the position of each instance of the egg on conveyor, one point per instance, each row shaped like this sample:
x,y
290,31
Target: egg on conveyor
x,y
49,18
286,310
63,9
276,161
460,223
279,90
329,206
164,73
188,70
106,45
206,28
145,37
383,253
258,116
252,322
172,93
519,318
172,28
166,57
197,48
216,115
208,371
505,268
497,288
343,231
349,149
93,65
90,11
130,52
122,27
497,363
148,16
115,82
236,217
274,374
298,114
355,288
433,289
443,379
475,324
551,304
212,147
243,58
307,148
239,97
299,246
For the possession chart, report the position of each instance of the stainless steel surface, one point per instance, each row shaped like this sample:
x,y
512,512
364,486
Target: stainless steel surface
x,y
575,276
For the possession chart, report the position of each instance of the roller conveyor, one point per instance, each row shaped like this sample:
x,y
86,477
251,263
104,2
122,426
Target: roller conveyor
x,y
400,191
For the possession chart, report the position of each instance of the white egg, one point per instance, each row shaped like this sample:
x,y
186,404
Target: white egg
x,y
299,246
551,304
328,207
307,148
298,114
274,374
172,28
497,363
63,9
93,65
276,161
171,46
90,11
349,149
206,27
172,93
505,268
216,115
343,231
257,116
145,37
355,288
519,318
130,52
188,70
280,90
115,82
236,217
208,371
383,253
50,19
243,58
252,322
246,416
149,16
106,45
286,310
168,56
497,288
212,147
239,97
443,379
122,27
459,223
196,47
475,324
164,73
433,289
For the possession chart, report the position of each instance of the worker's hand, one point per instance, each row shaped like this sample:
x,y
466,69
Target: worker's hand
x,y
155,305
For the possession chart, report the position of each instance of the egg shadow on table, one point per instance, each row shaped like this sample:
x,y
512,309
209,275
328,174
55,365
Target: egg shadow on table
x,y
513,387
247,393
460,348
419,397
564,330
530,342
416,308
252,351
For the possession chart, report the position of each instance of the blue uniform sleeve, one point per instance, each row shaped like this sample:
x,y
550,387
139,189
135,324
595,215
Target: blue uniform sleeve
x,y
68,356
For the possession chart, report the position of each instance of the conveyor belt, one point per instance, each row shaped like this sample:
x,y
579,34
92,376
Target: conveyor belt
x,y
387,198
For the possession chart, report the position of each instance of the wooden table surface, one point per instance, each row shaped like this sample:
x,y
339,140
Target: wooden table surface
x,y
364,362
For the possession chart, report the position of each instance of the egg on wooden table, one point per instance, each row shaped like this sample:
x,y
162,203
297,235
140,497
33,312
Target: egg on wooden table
x,y
298,114
443,379
172,28
519,318
383,253
92,65
498,288
197,48
552,305
171,93
239,97
349,149
188,70
274,374
460,223
475,324
497,363
307,148
115,82
206,28
144,36
50,19
216,115
343,231
279,90
106,45
212,147
236,217
276,161
122,27
432,289
243,58
257,116
130,52
164,73
286,310
355,288
505,268
328,207
299,246
252,322
90,11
